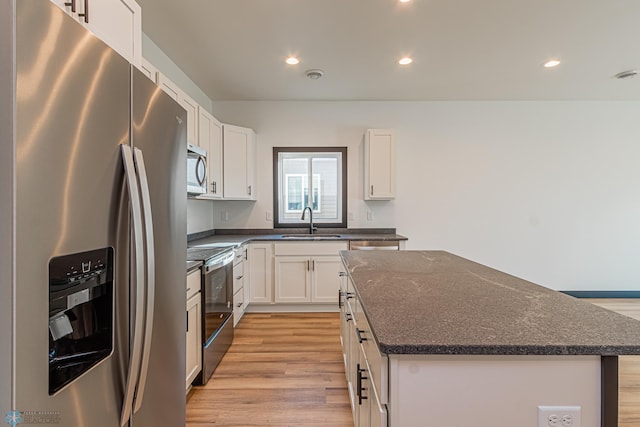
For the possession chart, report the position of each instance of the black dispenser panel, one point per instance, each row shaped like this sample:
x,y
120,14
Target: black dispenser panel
x,y
80,314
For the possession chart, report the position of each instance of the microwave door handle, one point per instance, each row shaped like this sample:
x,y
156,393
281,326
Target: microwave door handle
x,y
136,280
201,161
150,282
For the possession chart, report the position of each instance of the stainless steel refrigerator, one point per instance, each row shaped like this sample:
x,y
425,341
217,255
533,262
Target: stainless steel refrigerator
x,y
92,230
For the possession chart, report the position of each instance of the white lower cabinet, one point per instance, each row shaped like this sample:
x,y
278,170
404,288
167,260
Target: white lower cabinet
x,y
240,268
365,367
307,272
194,328
260,273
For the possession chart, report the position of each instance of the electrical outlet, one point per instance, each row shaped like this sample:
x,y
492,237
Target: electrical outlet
x,y
352,217
369,216
558,416
224,216
269,216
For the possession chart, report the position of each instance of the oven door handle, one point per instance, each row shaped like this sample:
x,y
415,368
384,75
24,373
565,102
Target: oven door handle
x,y
208,268
137,279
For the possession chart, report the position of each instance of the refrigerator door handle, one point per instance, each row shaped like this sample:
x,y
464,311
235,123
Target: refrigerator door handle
x,y
138,279
151,268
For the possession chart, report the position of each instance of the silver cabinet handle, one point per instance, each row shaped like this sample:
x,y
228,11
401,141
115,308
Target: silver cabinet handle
x,y
137,281
249,190
151,271
85,15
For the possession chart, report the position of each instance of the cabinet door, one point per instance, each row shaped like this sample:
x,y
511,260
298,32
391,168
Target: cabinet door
x,y
260,273
238,306
239,163
363,393
210,138
379,165
325,271
191,106
119,24
292,279
116,22
194,339
149,70
168,86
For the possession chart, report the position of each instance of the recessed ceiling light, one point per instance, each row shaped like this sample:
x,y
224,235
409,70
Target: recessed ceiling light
x,y
551,63
292,60
405,61
405,1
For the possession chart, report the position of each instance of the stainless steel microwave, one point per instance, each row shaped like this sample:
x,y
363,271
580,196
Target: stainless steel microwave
x,y
196,170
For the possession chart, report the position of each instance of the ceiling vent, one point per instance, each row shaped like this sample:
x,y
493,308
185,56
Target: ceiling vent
x,y
626,74
314,74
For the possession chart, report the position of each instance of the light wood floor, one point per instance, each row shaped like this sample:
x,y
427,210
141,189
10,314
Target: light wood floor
x,y
629,366
282,370
286,370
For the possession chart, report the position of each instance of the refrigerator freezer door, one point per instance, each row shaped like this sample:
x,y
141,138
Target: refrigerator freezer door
x,y
159,131
72,114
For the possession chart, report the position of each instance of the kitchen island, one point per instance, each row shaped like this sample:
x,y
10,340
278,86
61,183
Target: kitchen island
x,y
432,339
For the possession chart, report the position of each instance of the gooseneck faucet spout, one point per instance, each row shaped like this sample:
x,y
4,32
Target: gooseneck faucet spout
x,y
311,227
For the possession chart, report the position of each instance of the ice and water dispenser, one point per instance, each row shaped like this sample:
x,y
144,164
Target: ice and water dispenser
x,y
80,314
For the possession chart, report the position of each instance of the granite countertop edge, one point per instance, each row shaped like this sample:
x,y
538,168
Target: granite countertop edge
x,y
396,347
239,237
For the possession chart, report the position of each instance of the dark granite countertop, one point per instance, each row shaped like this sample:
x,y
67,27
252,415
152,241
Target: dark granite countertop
x,y
193,265
433,302
239,237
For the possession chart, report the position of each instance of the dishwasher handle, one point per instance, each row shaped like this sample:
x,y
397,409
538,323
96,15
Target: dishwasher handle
x,y
374,245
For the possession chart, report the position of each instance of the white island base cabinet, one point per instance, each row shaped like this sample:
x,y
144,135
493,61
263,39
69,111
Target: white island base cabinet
x,y
500,391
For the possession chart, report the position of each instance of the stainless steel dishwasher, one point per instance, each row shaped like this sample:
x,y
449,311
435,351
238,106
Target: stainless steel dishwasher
x,y
374,245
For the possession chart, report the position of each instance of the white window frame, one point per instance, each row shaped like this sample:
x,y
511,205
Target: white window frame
x,y
303,181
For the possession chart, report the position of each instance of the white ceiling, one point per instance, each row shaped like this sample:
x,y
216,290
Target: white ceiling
x,y
462,49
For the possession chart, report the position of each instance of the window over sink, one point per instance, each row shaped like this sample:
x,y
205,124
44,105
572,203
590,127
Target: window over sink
x,y
314,177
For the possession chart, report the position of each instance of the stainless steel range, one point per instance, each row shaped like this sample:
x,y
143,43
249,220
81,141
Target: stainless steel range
x,y
217,305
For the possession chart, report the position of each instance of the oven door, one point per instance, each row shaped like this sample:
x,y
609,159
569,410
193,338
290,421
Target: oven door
x,y
217,295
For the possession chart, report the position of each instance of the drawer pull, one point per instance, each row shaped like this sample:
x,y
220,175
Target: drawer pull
x,y
360,337
348,295
347,317
359,387
239,277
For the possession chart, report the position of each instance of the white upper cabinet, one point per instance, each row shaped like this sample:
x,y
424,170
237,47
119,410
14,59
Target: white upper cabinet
x,y
117,22
239,148
210,138
379,165
187,103
149,70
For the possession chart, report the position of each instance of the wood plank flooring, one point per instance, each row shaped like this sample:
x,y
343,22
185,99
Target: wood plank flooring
x,y
629,366
287,370
282,370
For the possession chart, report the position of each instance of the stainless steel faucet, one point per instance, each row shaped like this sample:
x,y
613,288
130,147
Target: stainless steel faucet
x,y
311,227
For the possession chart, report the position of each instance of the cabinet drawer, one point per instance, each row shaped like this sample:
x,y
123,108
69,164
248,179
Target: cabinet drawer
x,y
238,306
193,283
310,248
378,362
378,414
238,277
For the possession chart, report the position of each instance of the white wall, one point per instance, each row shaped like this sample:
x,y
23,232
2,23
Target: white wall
x,y
152,53
547,191
199,213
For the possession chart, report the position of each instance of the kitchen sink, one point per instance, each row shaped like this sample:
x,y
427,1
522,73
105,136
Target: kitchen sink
x,y
310,236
